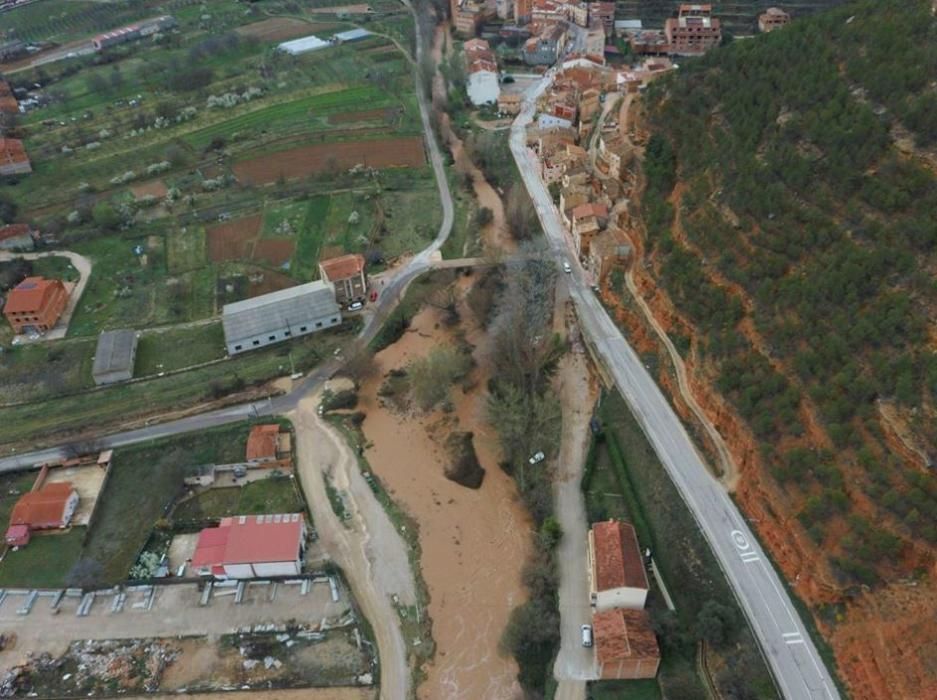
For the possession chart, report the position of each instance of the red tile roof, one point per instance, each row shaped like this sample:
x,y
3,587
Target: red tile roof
x,y
249,539
14,230
31,295
590,209
262,442
618,562
342,267
42,508
12,151
624,634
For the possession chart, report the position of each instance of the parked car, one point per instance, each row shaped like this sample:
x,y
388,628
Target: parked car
x,y
537,458
567,268
586,635
355,305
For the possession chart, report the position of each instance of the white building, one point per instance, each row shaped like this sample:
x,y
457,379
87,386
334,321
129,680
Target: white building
x,y
549,121
617,578
278,316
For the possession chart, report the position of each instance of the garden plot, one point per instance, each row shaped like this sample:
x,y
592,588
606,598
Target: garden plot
x,y
233,240
330,157
282,28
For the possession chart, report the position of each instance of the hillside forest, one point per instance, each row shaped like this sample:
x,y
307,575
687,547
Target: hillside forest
x,y
791,218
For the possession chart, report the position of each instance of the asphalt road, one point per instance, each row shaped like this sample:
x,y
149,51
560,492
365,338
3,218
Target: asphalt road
x,y
797,667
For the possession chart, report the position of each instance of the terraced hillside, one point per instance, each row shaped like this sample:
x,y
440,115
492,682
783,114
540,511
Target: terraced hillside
x,y
791,226
739,17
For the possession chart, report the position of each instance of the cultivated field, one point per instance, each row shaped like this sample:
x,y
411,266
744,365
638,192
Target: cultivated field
x,y
201,167
323,158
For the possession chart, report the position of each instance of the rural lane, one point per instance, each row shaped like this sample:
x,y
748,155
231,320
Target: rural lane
x,y
574,663
796,665
369,550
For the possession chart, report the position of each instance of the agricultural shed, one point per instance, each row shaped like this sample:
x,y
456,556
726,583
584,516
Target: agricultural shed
x,y
351,35
303,45
114,357
278,316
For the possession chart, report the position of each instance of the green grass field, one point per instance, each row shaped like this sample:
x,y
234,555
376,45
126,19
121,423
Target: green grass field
x,y
277,494
39,370
624,690
177,348
44,562
145,480
52,421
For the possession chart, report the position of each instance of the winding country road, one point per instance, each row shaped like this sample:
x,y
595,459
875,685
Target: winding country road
x,y
798,670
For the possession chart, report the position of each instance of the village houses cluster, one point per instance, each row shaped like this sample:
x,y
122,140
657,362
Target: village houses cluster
x,y
585,156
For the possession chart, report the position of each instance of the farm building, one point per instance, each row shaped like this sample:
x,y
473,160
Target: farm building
x,y
35,304
303,45
278,316
114,357
617,578
626,647
13,158
17,237
248,546
346,275
132,32
351,35
49,507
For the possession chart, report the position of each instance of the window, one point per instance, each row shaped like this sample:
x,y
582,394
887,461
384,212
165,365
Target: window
x,y
318,324
256,342
237,347
302,329
271,337
287,333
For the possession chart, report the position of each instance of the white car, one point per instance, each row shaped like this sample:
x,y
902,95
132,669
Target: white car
x,y
586,635
537,458
567,268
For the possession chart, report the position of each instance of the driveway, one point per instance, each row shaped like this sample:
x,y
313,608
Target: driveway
x,y
80,263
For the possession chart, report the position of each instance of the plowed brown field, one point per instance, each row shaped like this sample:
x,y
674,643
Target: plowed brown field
x,y
281,29
232,239
317,158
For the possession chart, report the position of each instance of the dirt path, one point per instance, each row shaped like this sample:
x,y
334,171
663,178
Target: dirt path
x,y
80,263
369,551
474,542
574,663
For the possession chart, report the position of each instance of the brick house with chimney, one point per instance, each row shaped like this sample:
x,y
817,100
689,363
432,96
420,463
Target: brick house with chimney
x,y
45,507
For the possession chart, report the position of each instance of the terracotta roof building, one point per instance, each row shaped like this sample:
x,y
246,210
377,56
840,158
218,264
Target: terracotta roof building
x,y
17,237
35,304
625,645
13,158
347,276
250,546
262,443
617,578
51,506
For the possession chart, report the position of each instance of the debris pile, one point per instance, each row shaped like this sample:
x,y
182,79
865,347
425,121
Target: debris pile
x,y
92,667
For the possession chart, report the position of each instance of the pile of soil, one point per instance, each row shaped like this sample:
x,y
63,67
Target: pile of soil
x,y
463,467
